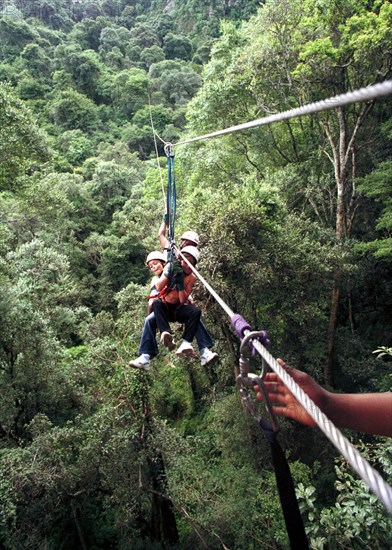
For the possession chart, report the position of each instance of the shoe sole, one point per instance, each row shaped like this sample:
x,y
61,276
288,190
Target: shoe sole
x,y
211,362
167,341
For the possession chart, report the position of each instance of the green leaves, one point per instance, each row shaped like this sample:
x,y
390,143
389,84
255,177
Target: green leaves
x,y
22,143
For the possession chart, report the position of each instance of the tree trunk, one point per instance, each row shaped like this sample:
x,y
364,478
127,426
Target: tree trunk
x,y
342,155
163,520
163,526
333,321
75,513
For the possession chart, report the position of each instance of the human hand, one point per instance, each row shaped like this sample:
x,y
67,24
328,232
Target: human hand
x,y
175,268
172,269
178,280
285,402
165,218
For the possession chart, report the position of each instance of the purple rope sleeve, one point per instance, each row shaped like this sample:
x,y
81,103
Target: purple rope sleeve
x,y
263,337
240,325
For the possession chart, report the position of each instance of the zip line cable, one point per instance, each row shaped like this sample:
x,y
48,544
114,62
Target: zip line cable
x,y
365,471
363,94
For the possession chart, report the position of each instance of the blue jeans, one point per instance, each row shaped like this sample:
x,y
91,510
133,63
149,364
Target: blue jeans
x,y
203,337
148,342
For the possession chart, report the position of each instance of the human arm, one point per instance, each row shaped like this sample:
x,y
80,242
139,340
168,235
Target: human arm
x,y
162,233
172,275
189,283
162,282
368,412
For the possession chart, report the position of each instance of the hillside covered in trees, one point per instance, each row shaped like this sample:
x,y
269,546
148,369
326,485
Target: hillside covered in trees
x,y
295,220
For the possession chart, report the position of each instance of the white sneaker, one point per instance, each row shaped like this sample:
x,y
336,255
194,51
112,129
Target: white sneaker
x,y
140,363
167,340
208,357
186,350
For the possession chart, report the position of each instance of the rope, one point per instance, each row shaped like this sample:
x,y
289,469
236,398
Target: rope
x,y
368,474
363,94
171,193
156,151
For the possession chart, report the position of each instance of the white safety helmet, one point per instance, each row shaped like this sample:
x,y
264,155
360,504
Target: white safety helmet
x,y
190,236
156,255
193,251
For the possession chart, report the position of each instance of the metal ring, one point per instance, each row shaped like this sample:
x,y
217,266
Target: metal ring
x,y
245,351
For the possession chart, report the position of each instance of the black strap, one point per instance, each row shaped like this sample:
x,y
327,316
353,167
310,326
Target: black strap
x,y
288,500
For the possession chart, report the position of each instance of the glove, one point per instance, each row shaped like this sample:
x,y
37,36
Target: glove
x,y
173,269
179,281
165,218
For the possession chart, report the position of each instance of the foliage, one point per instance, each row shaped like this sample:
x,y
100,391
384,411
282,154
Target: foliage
x,y
357,519
94,454
22,143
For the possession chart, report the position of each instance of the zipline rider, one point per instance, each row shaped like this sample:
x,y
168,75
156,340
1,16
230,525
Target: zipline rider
x,y
178,280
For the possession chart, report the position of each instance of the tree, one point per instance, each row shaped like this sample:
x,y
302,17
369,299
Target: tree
x,y
112,37
129,91
22,143
175,80
75,146
378,185
177,47
87,33
84,66
14,36
295,53
152,55
144,36
72,110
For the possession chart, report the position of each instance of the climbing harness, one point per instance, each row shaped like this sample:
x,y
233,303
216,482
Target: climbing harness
x,y
162,293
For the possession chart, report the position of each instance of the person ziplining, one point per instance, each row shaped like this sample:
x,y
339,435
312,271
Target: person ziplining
x,y
170,293
169,301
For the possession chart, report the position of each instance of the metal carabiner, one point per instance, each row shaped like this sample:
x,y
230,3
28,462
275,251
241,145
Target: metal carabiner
x,y
247,380
169,149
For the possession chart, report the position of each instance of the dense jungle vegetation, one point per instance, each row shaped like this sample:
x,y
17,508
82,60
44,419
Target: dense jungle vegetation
x,y
295,220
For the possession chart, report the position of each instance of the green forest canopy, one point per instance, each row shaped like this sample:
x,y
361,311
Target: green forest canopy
x,y
295,225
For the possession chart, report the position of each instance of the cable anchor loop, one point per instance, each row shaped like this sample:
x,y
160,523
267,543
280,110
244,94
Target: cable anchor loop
x,y
169,150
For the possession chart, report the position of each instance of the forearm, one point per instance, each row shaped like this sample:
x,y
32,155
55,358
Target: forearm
x,y
368,412
162,282
186,292
162,235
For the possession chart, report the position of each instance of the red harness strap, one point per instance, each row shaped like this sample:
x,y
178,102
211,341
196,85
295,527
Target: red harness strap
x,y
161,294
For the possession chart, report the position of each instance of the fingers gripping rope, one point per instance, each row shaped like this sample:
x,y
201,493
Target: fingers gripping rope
x,y
370,476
